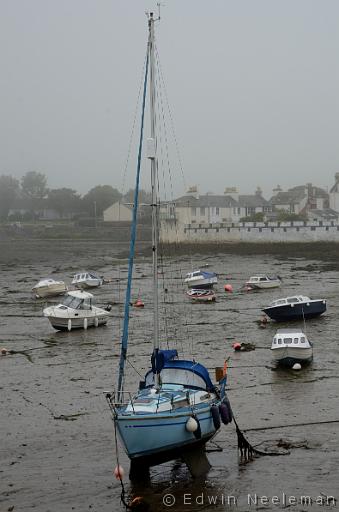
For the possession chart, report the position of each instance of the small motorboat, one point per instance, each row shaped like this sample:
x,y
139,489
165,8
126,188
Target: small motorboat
x,y
87,280
49,288
201,279
295,308
290,347
263,282
201,295
76,312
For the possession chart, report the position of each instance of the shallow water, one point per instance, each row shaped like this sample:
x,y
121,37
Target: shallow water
x,y
57,450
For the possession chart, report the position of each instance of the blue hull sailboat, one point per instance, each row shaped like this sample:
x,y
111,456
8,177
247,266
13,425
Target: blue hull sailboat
x,y
176,407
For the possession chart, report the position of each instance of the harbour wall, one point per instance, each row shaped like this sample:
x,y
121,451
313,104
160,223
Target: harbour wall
x,y
266,232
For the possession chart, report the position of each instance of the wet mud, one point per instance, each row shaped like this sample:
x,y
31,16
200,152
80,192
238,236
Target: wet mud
x,y
57,438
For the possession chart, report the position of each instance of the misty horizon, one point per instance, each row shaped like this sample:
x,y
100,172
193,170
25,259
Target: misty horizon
x,y
252,90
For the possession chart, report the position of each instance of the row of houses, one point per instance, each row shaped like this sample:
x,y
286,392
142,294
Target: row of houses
x,y
313,203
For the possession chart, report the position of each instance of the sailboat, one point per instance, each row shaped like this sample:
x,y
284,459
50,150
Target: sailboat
x,y
176,408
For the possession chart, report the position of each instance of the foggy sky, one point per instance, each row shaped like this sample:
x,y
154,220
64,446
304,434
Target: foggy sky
x,y
253,87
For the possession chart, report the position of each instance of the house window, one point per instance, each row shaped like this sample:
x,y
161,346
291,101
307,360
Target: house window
x,y
193,211
202,211
238,211
217,211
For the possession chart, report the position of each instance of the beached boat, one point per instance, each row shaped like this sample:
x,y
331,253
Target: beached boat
x,y
176,406
290,347
201,279
263,282
49,288
200,295
86,280
298,307
77,311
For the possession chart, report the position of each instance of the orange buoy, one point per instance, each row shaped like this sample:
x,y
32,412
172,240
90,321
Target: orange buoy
x,y
228,288
119,472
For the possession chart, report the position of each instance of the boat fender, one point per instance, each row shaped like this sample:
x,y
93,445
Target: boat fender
x,y
96,321
85,323
69,325
197,432
191,424
228,405
215,417
223,411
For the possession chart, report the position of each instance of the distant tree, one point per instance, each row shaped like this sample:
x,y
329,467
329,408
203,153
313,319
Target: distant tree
x,y
9,188
34,185
144,196
64,201
99,198
255,217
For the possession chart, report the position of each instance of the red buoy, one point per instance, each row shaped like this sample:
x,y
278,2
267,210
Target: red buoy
x,y
236,345
228,288
119,472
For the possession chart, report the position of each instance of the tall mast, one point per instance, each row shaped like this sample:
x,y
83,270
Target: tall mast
x,y
154,181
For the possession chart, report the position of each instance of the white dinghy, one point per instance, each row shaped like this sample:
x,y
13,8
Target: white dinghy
x,y
49,288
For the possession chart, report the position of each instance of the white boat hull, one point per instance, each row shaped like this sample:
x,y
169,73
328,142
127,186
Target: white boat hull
x,y
291,355
65,320
201,282
264,285
50,291
87,284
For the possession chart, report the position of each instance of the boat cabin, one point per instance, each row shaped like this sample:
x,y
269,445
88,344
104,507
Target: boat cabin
x,y
77,300
84,277
290,338
290,300
260,279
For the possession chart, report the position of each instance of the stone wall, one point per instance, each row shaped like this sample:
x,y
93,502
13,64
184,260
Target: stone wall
x,y
296,231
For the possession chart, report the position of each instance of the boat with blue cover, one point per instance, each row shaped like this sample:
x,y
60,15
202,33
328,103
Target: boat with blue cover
x,y
201,279
176,407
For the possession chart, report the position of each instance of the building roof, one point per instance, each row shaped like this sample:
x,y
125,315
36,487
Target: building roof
x,y
206,201
326,213
252,201
296,194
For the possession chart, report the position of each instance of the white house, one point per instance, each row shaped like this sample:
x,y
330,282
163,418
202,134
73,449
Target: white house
x,y
334,194
118,212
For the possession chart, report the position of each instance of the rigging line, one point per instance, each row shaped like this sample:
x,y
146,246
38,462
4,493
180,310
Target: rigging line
x,y
133,125
171,119
134,368
324,422
165,160
161,114
124,338
162,111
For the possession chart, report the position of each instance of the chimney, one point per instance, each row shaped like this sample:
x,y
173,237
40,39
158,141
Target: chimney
x,y
232,192
193,191
336,176
277,189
